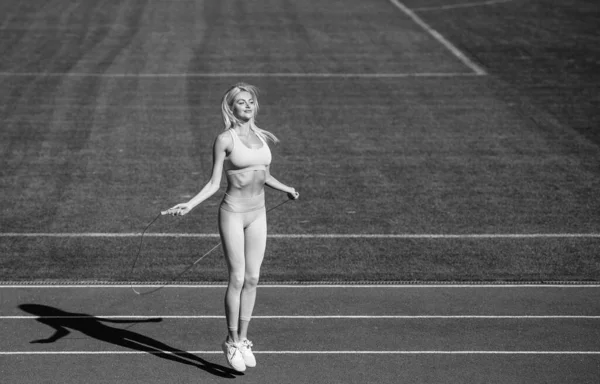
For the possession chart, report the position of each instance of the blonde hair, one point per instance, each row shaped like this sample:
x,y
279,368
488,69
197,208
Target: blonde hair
x,y
229,118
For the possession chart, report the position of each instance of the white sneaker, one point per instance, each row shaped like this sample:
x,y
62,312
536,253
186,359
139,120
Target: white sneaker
x,y
234,356
246,349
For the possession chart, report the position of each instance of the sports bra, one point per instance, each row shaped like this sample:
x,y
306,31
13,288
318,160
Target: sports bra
x,y
243,159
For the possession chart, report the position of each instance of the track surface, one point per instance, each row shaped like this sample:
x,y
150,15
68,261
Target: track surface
x,y
306,334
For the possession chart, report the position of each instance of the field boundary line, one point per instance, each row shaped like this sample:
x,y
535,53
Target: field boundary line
x,y
451,47
316,235
366,352
322,317
234,74
462,5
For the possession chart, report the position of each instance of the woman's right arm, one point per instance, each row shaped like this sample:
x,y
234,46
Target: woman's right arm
x,y
222,142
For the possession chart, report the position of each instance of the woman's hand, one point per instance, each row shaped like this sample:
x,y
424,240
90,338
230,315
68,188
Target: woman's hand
x,y
178,210
293,195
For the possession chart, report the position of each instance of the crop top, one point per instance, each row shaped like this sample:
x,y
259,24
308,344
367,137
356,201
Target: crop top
x,y
243,159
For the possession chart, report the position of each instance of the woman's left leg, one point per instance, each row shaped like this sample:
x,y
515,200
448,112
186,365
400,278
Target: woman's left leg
x,y
255,245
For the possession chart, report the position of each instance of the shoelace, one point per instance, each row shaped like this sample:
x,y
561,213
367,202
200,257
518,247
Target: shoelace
x,y
247,344
232,348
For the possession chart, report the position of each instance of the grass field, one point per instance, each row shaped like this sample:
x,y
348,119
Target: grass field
x,y
109,110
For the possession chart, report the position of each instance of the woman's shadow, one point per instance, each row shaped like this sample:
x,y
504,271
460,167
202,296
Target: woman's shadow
x,y
63,322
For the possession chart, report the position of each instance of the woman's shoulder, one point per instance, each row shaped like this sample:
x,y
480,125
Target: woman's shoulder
x,y
224,139
225,136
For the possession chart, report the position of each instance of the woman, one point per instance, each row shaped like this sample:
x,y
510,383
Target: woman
x,y
242,152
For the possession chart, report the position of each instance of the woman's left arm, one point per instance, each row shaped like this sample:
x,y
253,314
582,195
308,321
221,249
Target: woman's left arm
x,y
278,185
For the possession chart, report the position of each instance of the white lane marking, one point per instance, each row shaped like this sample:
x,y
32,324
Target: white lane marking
x,y
365,352
233,74
317,235
455,51
462,5
317,317
342,285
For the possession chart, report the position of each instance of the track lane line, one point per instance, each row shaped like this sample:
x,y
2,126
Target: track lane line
x,y
314,235
317,317
365,352
300,285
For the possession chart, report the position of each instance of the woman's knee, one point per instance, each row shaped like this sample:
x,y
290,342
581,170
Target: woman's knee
x,y
236,280
251,280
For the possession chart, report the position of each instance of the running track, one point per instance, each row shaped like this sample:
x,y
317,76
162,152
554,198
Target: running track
x,y
306,334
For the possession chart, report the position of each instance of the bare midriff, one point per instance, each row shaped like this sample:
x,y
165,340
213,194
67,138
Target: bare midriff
x,y
246,184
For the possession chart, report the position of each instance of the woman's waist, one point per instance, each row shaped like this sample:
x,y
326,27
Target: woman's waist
x,y
240,202
233,194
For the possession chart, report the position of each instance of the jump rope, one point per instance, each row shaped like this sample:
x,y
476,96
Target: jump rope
x,y
139,251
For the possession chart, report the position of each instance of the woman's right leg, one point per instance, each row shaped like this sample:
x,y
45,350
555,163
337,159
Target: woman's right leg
x,y
231,229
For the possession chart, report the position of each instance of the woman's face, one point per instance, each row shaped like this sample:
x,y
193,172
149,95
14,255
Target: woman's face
x,y
243,106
